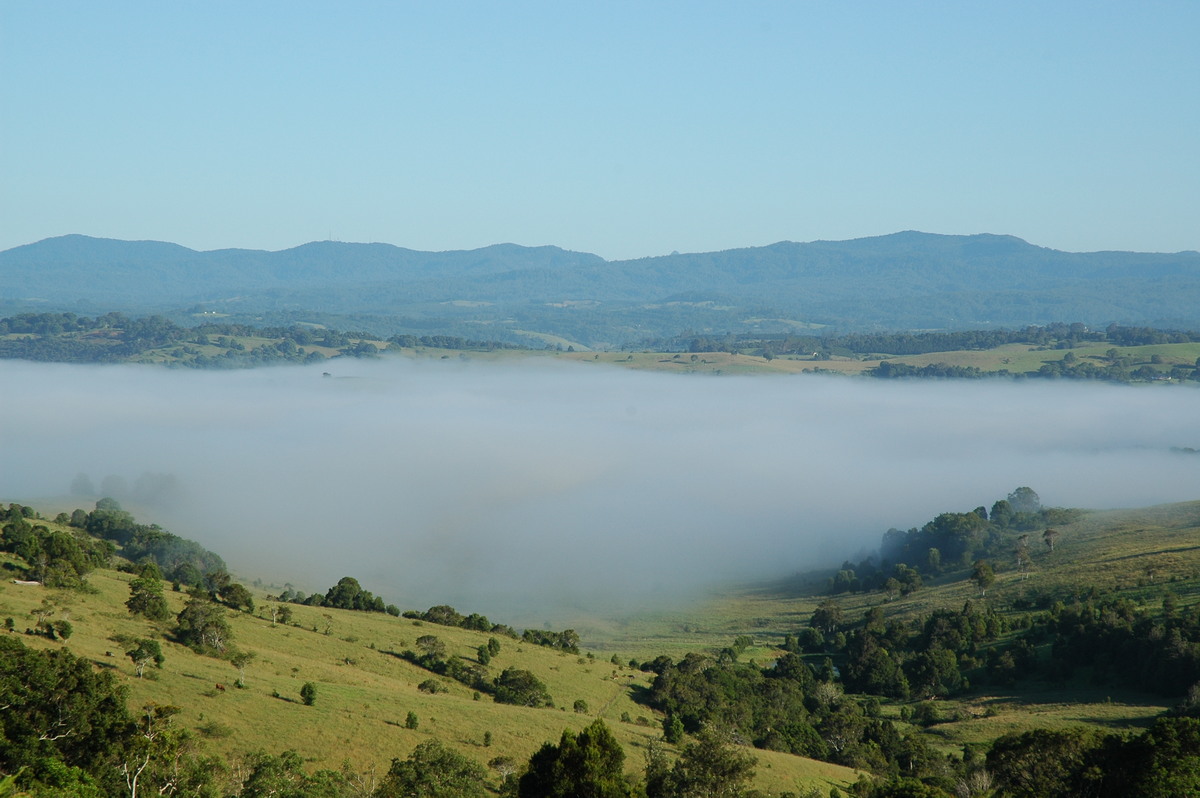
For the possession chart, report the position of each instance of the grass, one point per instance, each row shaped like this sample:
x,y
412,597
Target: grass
x,y
1015,358
1138,554
364,691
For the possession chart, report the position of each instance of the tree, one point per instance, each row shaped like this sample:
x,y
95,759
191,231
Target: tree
x,y
143,653
933,561
1049,537
344,594
239,660
1046,762
433,647
434,771
201,625
146,598
827,617
504,765
61,714
1022,553
283,776
1167,759
161,760
673,729
1002,513
237,597
308,694
588,765
516,686
280,613
983,576
1024,500
934,672
411,721
710,766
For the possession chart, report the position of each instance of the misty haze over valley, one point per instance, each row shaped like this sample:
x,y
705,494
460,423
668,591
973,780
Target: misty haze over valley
x,y
515,488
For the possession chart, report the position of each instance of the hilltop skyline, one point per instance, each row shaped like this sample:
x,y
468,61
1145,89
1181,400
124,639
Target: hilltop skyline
x,y
618,129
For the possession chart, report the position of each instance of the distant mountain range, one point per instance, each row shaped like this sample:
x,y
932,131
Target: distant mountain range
x,y
906,280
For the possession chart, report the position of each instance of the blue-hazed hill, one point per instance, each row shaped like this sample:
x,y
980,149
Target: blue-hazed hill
x,y
906,280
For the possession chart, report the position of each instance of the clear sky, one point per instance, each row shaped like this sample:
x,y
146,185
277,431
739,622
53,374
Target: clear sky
x,y
624,129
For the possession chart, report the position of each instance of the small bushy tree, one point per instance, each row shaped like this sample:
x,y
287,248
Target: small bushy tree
x,y
434,771
308,694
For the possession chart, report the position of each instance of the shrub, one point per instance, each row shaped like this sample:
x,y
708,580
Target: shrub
x,y
308,694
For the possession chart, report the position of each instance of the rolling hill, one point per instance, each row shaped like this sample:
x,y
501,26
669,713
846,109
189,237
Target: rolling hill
x,y
906,280
374,704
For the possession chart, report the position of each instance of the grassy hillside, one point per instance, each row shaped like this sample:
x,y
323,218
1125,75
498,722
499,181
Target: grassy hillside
x,y
1014,358
364,690
1137,554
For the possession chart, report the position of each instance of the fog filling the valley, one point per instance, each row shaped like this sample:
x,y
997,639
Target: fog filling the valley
x,y
535,489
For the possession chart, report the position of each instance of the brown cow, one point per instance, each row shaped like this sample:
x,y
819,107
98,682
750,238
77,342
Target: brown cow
x,y
221,687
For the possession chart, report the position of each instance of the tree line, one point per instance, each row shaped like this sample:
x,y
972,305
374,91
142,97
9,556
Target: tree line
x,y
115,338
1056,335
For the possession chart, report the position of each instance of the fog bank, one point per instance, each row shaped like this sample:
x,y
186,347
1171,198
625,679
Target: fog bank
x,y
498,488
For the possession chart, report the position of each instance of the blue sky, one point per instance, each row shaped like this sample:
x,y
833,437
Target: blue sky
x,y
624,129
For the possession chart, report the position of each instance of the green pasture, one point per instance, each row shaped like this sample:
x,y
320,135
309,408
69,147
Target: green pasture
x,y
364,691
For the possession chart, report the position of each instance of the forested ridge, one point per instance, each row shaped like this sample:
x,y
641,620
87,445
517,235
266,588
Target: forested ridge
x,y
906,280
866,691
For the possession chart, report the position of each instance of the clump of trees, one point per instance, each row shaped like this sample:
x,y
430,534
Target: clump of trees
x,y
202,626
952,542
347,594
146,599
55,558
178,559
567,640
521,687
445,615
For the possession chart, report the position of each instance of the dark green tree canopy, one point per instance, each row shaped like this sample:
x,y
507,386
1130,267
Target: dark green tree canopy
x,y
587,765
434,771
146,599
516,686
201,624
60,713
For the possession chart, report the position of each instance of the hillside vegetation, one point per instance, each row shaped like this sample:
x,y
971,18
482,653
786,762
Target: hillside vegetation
x,y
907,280
956,664
1056,351
373,703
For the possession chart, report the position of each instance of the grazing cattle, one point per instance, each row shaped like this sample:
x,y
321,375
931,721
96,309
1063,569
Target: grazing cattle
x,y
221,687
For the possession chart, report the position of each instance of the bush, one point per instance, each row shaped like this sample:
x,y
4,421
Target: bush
x,y
308,694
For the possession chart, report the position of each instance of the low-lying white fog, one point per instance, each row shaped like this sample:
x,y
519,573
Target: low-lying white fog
x,y
503,488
